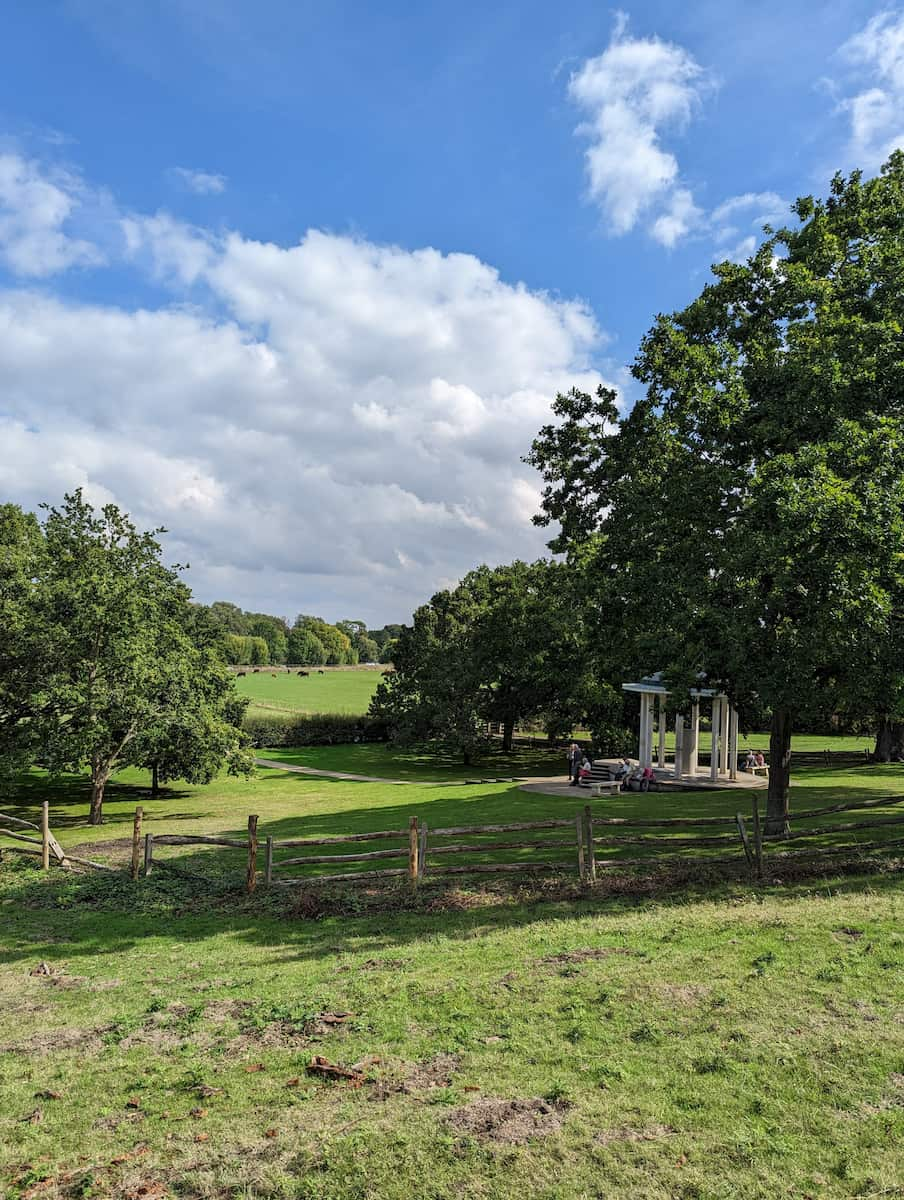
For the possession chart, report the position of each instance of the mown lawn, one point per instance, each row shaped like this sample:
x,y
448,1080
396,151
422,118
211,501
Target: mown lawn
x,y
332,692
734,1041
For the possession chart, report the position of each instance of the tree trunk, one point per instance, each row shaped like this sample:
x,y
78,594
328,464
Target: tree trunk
x,y
155,780
466,757
889,741
508,735
98,783
779,774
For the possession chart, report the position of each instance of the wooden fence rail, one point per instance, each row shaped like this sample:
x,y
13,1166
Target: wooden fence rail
x,y
47,842
422,851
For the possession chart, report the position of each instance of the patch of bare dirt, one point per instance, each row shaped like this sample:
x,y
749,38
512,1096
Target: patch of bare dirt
x,y
684,993
115,850
436,1072
50,1041
288,1034
587,955
226,1010
512,1122
626,1133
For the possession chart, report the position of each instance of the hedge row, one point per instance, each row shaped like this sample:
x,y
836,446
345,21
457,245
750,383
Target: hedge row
x,y
313,729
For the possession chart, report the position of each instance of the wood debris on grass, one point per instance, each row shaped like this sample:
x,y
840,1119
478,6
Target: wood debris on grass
x,y
354,1074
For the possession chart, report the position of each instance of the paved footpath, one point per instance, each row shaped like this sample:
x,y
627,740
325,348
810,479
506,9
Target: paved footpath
x,y
281,766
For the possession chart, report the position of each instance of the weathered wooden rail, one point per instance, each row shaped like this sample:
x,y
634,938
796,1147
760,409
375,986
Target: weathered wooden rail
x,y
48,847
555,845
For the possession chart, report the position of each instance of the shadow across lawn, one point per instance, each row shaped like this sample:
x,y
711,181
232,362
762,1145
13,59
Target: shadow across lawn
x,y
87,916
69,797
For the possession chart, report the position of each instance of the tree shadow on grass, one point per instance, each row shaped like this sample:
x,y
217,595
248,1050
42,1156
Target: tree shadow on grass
x,y
94,914
69,797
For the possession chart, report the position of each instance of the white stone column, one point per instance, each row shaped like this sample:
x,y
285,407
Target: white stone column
x,y
679,743
693,740
733,745
716,724
661,731
644,719
726,726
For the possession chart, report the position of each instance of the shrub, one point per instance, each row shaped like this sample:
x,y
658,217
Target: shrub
x,y
313,729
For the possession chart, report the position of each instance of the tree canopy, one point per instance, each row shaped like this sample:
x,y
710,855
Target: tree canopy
x,y
745,519
112,665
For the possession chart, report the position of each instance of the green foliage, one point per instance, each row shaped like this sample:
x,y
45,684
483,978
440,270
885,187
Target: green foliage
x,y
745,519
336,644
313,729
433,693
243,650
508,645
305,648
273,630
22,554
115,666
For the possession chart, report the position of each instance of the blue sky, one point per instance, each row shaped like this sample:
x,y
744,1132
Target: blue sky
x,y
298,280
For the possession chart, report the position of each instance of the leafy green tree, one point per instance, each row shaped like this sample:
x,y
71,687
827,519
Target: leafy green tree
x,y
528,643
229,617
273,630
746,516
23,647
364,647
433,693
121,664
305,648
337,645
388,650
200,727
258,651
388,633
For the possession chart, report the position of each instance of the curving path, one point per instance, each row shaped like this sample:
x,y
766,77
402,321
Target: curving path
x,y
316,771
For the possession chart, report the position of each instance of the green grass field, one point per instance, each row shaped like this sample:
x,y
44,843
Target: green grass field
x,y
732,1041
332,692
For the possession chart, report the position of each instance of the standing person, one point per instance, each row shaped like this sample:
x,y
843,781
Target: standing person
x,y
574,763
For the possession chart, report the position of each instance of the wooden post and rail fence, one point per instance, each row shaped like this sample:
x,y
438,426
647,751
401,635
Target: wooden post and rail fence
x,y
561,844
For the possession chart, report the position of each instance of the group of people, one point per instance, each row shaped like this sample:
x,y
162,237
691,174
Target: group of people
x,y
754,759
579,765
632,777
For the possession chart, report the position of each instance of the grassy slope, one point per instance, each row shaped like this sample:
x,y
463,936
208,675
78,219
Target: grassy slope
x,y
744,1047
332,692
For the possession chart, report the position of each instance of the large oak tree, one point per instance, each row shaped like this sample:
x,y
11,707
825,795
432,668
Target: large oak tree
x,y
745,518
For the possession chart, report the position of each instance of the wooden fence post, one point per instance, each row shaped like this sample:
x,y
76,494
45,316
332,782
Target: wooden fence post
x,y
251,876
269,867
148,854
745,841
422,851
413,851
757,837
579,828
136,840
45,836
588,844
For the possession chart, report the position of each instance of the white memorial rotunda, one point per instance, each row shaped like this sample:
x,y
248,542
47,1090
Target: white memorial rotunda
x,y
723,766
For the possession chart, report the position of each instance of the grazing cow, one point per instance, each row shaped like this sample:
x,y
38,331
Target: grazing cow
x,y
273,673
304,673
319,672
239,674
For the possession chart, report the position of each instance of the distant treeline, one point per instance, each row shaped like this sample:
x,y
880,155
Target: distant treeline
x,y
259,639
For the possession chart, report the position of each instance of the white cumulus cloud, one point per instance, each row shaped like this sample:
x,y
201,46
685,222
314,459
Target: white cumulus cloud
x,y
737,223
202,183
329,426
876,112
36,213
633,94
